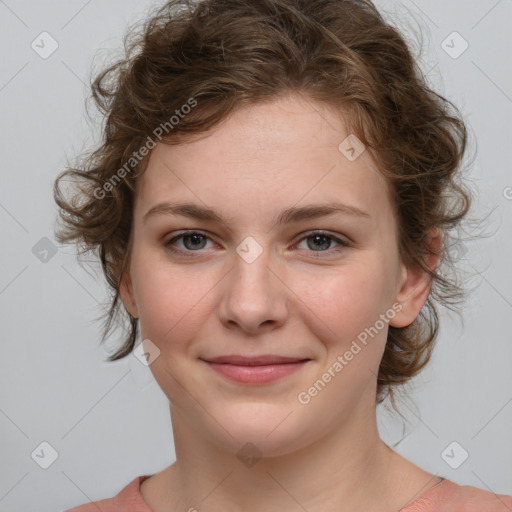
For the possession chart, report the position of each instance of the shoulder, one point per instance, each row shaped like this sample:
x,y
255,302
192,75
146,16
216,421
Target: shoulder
x,y
449,496
128,499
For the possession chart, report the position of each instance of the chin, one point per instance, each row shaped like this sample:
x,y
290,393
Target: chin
x,y
263,430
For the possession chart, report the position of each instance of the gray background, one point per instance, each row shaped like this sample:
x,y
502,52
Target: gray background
x,y
109,422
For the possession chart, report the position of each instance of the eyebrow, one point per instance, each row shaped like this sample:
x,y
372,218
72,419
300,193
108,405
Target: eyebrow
x,y
293,214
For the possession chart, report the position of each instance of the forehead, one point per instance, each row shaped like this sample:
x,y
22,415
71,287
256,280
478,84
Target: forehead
x,y
264,158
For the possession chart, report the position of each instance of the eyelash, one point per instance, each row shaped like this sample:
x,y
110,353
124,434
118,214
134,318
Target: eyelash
x,y
187,253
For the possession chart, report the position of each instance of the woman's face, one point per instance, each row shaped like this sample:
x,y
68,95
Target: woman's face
x,y
260,281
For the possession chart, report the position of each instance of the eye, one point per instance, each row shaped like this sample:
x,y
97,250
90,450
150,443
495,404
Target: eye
x,y
194,241
323,241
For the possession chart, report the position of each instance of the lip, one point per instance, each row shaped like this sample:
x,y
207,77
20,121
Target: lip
x,y
261,360
255,370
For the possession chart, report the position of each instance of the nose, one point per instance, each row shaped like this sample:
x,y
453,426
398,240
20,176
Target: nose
x,y
254,297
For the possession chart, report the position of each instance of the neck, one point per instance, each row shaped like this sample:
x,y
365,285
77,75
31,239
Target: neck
x,y
348,469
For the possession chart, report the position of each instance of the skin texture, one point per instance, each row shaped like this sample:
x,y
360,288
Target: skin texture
x,y
293,300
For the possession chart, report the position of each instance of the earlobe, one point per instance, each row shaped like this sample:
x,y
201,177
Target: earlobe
x,y
416,284
127,295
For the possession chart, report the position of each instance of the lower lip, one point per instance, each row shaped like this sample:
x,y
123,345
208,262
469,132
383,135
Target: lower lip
x,y
256,374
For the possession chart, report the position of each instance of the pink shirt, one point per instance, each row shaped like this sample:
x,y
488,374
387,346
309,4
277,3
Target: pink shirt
x,y
446,496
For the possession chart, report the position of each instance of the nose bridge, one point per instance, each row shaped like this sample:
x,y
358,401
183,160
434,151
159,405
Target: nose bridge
x,y
253,294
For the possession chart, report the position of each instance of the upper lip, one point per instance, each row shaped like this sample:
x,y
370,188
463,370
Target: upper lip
x,y
254,360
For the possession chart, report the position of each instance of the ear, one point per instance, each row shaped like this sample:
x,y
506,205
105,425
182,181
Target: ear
x,y
127,295
416,283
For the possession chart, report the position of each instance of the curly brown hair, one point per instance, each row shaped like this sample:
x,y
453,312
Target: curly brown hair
x,y
192,64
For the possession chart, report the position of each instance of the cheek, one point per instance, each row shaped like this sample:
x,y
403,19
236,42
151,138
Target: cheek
x,y
345,300
171,301
346,308
346,318
171,309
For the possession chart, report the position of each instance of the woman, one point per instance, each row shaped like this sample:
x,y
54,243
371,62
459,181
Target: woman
x,y
271,205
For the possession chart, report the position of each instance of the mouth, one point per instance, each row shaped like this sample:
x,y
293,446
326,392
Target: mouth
x,y
256,369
